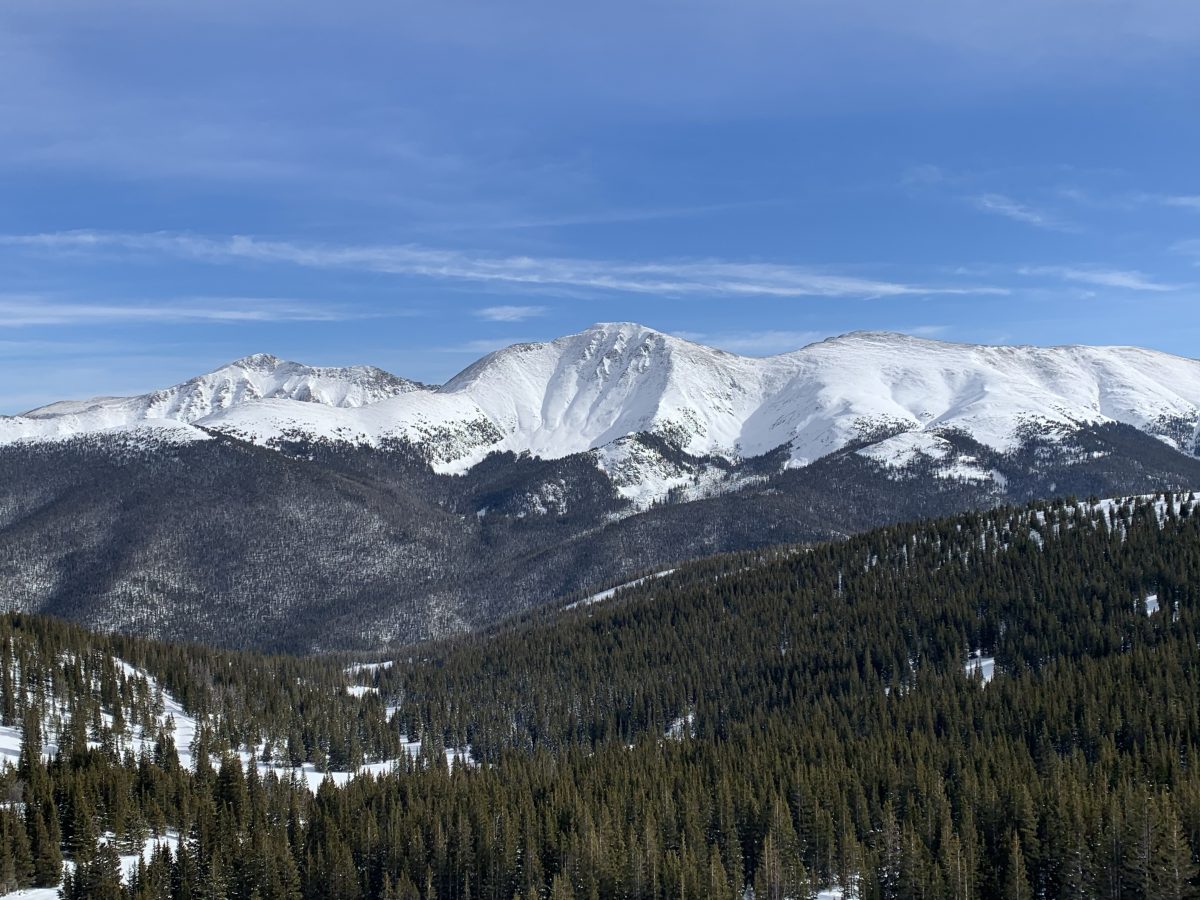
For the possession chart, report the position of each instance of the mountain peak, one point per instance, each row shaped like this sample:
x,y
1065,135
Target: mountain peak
x,y
259,361
259,376
627,328
613,380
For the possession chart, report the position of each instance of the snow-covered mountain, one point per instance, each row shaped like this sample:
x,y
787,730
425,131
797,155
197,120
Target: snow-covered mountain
x,y
252,378
170,519
899,397
247,381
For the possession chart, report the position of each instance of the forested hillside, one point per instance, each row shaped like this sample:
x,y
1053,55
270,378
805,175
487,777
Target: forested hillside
x,y
327,546
997,705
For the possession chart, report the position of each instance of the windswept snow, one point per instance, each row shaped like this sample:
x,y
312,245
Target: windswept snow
x,y
593,389
138,435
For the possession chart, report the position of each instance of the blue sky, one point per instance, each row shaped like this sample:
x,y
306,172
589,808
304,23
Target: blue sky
x,y
414,185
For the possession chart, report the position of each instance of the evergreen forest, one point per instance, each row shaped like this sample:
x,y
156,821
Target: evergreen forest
x,y
1002,705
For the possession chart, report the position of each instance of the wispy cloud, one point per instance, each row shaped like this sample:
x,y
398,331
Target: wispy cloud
x,y
1003,205
1110,278
1190,247
929,331
670,278
21,310
1127,200
510,313
621,216
1186,201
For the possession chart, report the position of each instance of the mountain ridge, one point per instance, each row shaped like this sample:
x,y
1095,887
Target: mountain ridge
x,y
592,391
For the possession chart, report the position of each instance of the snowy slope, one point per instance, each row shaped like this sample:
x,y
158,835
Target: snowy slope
x,y
257,377
17,429
452,430
590,390
168,413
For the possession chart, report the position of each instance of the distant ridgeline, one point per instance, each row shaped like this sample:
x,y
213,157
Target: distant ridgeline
x,y
274,506
779,722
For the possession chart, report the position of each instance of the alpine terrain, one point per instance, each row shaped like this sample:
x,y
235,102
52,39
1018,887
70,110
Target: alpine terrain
x,y
277,505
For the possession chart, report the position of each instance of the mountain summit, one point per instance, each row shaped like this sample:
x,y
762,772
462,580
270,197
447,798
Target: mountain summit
x,y
595,389
277,505
260,376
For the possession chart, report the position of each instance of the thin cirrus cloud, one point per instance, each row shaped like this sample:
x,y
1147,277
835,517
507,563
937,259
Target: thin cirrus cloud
x,y
24,310
677,277
1107,278
1003,205
510,313
1189,247
1183,201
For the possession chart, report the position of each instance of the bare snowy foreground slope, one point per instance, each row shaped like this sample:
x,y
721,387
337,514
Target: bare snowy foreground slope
x,y
590,390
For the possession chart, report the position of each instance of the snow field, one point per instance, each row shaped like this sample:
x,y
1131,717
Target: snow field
x,y
593,390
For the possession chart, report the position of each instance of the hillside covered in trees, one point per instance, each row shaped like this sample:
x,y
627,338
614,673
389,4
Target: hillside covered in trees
x,y
325,547
776,721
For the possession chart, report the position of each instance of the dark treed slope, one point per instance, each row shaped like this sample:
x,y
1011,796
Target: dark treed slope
x,y
772,720
327,546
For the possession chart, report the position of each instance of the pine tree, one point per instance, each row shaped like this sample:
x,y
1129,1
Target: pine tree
x,y
81,835
1016,880
99,876
1172,871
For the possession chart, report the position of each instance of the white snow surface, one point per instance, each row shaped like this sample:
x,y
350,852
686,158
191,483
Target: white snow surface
x,y
129,861
911,446
589,390
611,592
257,377
984,666
183,728
168,412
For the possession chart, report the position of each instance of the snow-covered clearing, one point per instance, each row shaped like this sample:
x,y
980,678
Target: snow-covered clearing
x,y
984,666
684,726
369,668
184,727
129,861
10,744
611,592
